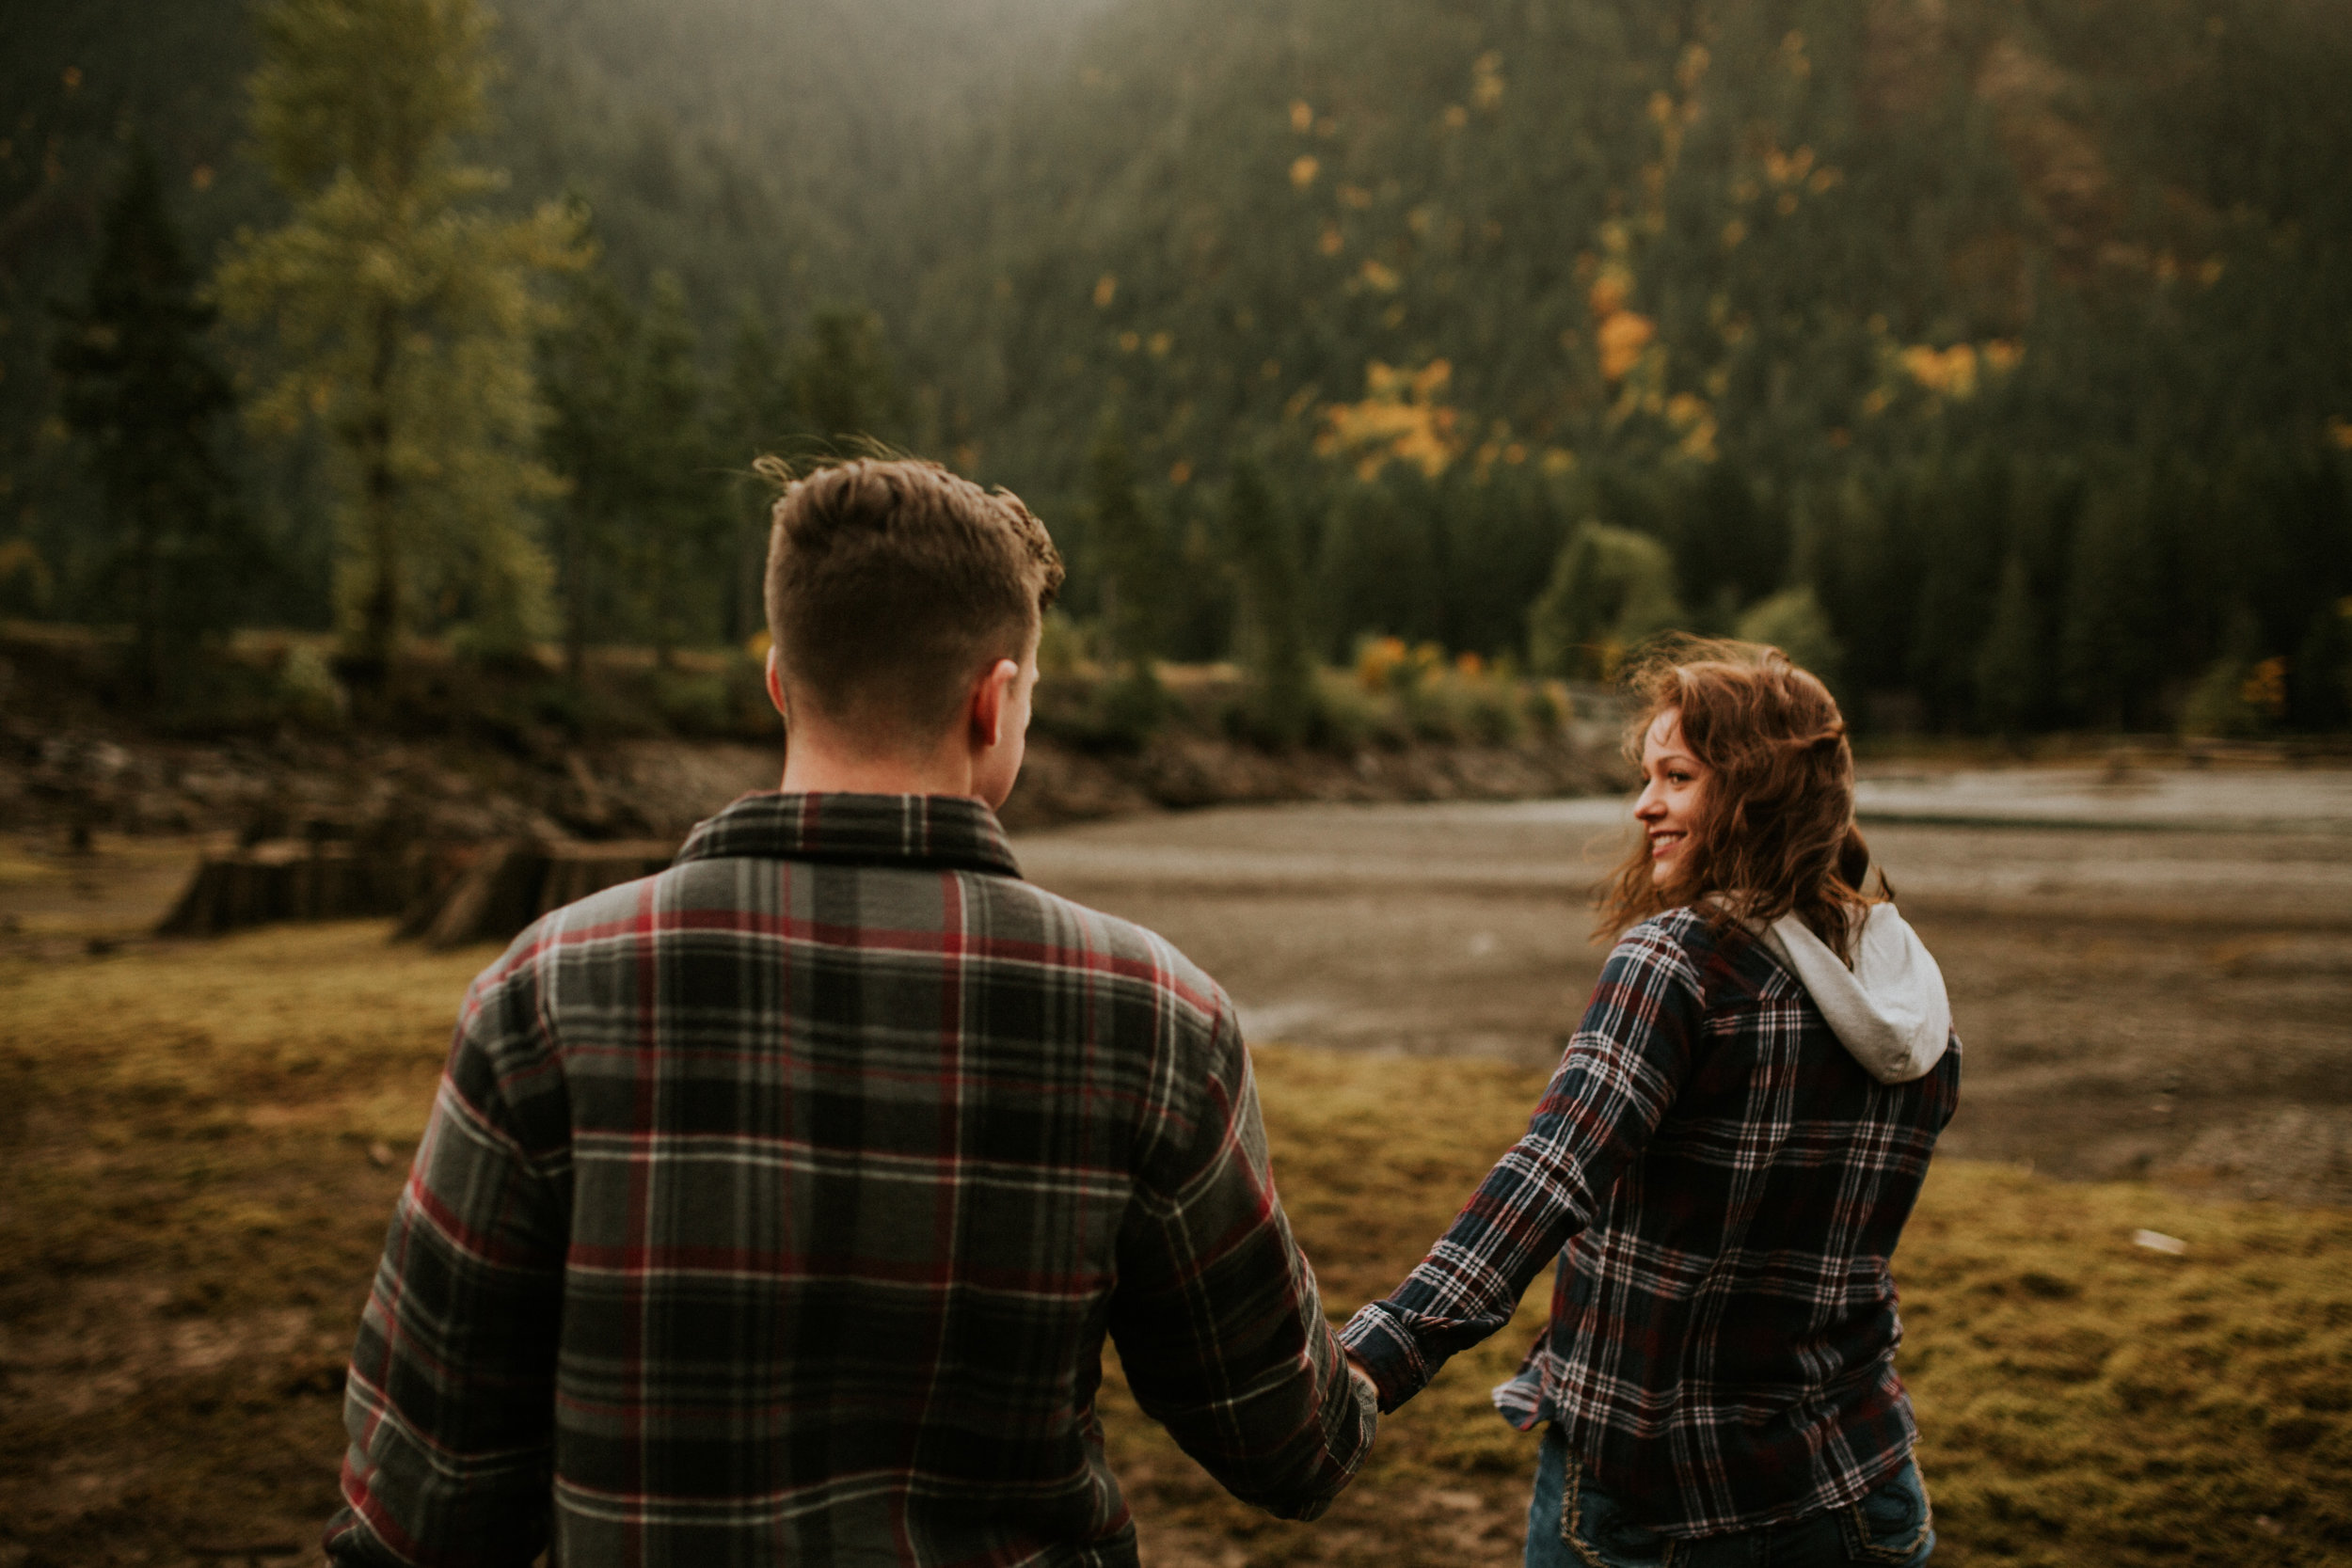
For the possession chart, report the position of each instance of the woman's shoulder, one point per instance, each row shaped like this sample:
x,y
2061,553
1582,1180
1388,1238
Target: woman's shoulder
x,y
1682,939
1686,927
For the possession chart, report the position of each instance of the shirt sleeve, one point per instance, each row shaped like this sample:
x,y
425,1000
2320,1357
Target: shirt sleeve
x,y
449,1404
1216,1316
1620,1072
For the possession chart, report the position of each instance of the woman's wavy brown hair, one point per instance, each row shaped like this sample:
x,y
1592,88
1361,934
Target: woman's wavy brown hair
x,y
1775,830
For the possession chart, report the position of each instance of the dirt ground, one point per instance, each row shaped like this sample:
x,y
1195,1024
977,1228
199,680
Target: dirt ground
x,y
2152,977
2151,972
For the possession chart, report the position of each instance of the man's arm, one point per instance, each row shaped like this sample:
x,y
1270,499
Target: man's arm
x,y
1216,1316
450,1399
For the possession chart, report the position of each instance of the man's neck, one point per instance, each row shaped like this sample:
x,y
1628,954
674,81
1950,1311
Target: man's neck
x,y
813,763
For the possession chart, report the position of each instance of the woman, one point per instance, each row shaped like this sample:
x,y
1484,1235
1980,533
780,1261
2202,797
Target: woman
x,y
1722,1163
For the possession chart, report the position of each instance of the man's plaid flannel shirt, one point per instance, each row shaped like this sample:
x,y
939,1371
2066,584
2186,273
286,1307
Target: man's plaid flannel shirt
x,y
775,1209
1728,1185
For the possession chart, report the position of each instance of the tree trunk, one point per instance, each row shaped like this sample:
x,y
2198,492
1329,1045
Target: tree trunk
x,y
380,611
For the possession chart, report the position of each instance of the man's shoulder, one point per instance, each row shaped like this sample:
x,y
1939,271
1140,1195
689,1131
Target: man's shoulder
x,y
1081,937
1003,920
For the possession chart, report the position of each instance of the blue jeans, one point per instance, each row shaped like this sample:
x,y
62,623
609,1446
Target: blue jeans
x,y
1574,1524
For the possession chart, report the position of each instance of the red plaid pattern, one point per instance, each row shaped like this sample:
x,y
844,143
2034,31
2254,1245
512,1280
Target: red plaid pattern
x,y
775,1210
1724,1186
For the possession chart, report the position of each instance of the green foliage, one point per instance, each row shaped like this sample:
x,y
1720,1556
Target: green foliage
x,y
1276,642
842,386
677,524
1611,590
138,385
1874,305
1122,547
2013,666
1793,622
588,364
2319,678
404,314
2115,621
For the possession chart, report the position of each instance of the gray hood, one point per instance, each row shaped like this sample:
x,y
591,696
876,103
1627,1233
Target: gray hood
x,y
1890,1009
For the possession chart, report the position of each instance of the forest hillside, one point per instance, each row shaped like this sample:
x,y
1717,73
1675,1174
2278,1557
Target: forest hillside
x,y
1991,355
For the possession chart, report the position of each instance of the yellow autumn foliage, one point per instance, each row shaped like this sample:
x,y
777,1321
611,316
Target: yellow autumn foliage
x,y
1399,420
1955,372
1623,335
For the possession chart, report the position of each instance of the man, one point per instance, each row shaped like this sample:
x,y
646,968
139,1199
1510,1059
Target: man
x,y
775,1209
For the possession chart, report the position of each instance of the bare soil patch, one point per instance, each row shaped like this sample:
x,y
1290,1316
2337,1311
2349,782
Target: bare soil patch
x,y
2165,1002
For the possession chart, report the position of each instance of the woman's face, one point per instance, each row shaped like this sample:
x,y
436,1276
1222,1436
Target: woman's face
x,y
1674,783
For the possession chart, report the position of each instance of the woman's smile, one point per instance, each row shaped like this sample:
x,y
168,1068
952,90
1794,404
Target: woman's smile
x,y
1673,790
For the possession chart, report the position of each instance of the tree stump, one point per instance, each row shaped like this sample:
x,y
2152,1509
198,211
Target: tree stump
x,y
515,883
450,894
288,879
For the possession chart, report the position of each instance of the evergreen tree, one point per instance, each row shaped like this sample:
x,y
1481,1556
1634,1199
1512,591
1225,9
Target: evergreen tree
x,y
842,381
140,388
405,313
677,512
1276,641
588,363
1124,553
2114,633
758,416
2319,678
2012,666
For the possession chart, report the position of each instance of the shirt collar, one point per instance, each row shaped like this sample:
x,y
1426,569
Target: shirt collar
x,y
947,832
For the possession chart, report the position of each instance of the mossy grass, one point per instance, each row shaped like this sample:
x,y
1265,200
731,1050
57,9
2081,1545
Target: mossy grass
x,y
200,1144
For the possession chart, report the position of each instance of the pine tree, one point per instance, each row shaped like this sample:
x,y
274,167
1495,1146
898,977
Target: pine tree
x,y
2114,633
1124,551
588,366
2013,668
758,416
405,313
842,381
140,388
676,512
1276,644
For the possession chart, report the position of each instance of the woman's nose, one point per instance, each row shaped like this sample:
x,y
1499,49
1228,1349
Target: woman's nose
x,y
1649,805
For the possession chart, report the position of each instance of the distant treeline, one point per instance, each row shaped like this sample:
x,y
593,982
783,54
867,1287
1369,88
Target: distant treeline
x,y
1992,357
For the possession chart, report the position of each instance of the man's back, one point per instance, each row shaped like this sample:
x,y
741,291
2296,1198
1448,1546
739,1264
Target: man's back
x,y
800,1185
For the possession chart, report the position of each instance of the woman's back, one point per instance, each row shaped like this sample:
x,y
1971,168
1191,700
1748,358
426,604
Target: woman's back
x,y
1722,1177
1724,1327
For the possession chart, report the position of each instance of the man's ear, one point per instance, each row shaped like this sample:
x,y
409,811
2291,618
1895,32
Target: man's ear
x,y
775,686
991,695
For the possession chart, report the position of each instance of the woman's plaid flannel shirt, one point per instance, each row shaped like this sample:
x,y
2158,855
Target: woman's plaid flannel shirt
x,y
1728,1185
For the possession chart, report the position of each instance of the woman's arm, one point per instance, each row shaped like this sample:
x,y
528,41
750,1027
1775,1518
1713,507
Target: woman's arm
x,y
1622,1069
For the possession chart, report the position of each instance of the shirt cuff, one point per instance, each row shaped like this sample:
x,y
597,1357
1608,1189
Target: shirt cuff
x,y
1380,1345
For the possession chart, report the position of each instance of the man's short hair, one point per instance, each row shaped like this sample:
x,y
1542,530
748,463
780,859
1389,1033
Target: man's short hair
x,y
892,585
